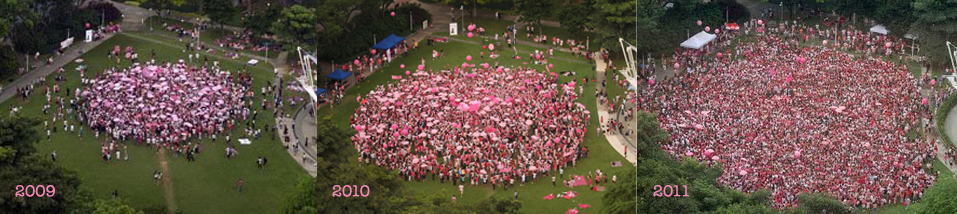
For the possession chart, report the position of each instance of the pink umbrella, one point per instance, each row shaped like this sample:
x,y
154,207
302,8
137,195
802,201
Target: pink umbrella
x,y
533,168
689,154
698,126
557,139
742,172
708,151
571,211
715,158
405,132
395,126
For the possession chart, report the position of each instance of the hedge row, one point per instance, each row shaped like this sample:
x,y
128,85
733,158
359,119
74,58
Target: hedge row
x,y
942,112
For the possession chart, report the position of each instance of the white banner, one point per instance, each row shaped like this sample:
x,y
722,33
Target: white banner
x,y
425,24
453,29
89,36
66,43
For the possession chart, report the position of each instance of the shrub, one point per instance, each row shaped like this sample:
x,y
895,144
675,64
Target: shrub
x,y
8,61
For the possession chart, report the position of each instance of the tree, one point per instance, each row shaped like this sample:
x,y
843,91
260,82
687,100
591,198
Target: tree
x,y
162,5
615,19
571,17
8,61
334,142
114,206
296,25
649,134
819,203
473,4
384,188
219,11
14,11
621,198
304,197
498,204
534,11
941,197
936,24
20,166
259,23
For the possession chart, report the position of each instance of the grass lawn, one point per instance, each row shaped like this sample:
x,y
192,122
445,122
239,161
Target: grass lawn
x,y
204,186
601,152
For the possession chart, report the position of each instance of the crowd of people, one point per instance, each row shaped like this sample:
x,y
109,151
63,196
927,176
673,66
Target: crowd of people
x,y
795,119
472,125
162,104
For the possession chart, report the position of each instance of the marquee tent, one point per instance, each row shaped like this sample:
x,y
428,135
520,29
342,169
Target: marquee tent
x,y
879,29
698,40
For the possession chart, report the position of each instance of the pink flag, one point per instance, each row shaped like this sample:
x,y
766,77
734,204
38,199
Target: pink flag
x,y
395,77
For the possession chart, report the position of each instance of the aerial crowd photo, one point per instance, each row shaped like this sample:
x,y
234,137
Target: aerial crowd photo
x,y
441,106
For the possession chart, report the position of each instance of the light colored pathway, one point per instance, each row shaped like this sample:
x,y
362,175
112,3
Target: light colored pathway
x,y
617,141
167,182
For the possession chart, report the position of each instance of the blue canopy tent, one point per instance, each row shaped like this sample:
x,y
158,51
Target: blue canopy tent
x,y
339,75
320,91
388,42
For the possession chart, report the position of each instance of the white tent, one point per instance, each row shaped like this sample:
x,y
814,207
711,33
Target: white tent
x,y
879,29
698,40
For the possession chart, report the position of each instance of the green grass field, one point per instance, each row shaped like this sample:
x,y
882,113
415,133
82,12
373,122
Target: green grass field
x,y
531,195
204,186
208,36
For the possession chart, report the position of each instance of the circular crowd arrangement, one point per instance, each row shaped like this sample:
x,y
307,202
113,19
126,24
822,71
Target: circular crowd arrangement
x,y
797,119
471,122
161,103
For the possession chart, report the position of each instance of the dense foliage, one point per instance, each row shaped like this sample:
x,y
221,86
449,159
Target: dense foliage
x,y
350,35
19,164
9,62
55,22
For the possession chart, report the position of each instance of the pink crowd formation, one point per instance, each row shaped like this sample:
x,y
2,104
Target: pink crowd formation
x,y
472,123
795,118
162,104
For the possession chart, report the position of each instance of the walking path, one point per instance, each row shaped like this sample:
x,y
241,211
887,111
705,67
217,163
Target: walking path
x,y
617,141
167,182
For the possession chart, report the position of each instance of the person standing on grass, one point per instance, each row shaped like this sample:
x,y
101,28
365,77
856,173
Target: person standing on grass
x,y
553,181
240,184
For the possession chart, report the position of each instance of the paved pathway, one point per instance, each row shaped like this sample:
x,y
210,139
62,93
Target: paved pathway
x,y
617,141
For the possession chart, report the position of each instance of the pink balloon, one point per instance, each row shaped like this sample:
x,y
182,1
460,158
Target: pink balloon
x,y
557,140
699,22
465,65
551,66
421,67
407,72
401,65
887,45
355,62
677,65
471,27
802,60
719,55
358,128
760,22
716,31
485,65
405,131
470,34
393,13
468,58
499,69
395,126
373,51
707,28
824,42
537,56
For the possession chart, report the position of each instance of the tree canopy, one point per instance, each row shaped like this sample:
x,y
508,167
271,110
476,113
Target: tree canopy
x,y
615,19
219,11
296,25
